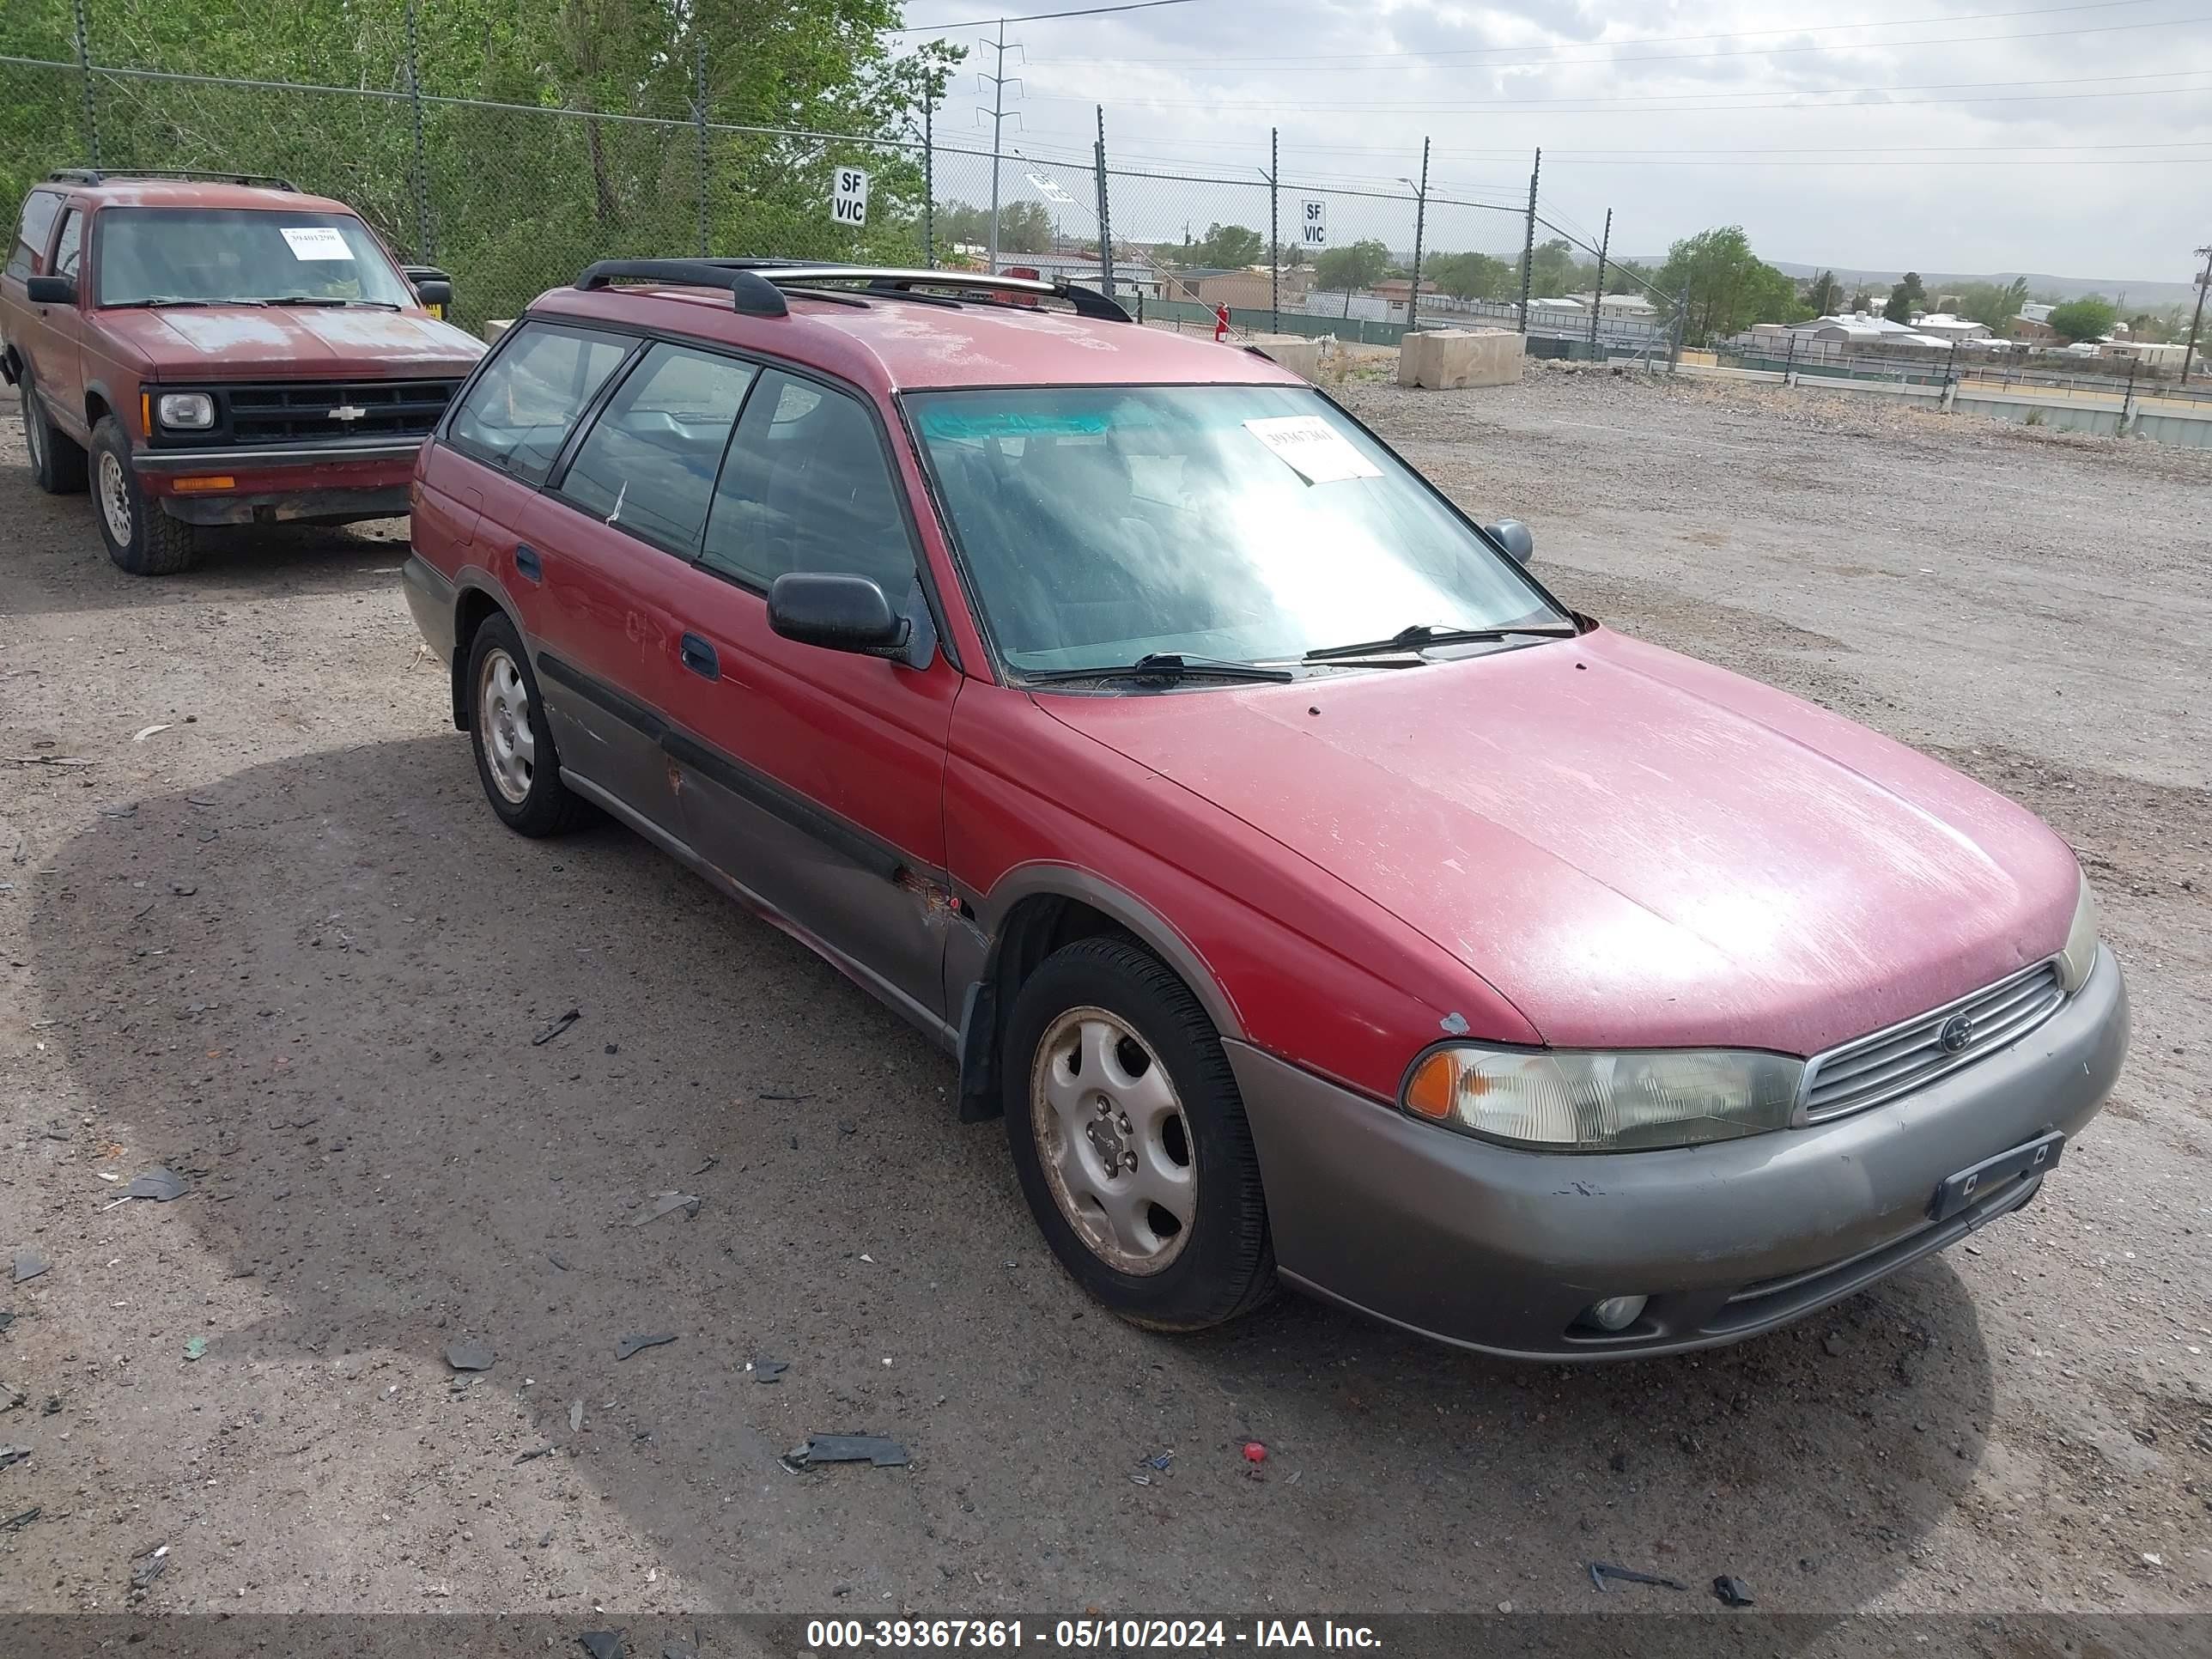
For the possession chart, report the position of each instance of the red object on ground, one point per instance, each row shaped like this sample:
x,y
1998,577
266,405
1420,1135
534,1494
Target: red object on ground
x,y
1254,1452
1220,324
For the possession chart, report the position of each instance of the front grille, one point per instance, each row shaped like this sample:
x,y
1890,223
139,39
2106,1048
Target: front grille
x,y
1889,1063
301,411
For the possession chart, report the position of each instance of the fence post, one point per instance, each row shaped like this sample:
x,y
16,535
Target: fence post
x,y
1420,224
1105,215
2127,402
1597,300
1274,234
423,246
1789,364
84,77
699,116
929,181
1529,242
1950,380
1681,322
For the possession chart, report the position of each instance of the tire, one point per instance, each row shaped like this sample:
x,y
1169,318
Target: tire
x,y
141,538
516,759
1080,1010
57,461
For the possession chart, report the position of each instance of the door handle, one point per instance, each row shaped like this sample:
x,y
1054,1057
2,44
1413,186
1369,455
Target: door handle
x,y
527,562
699,656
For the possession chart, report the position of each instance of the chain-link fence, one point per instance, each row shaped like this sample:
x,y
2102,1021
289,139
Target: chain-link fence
x,y
420,115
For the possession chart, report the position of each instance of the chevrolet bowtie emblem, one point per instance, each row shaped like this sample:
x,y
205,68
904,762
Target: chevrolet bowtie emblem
x,y
348,412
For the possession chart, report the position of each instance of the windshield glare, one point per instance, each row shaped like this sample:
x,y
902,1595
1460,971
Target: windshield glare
x,y
1251,523
218,254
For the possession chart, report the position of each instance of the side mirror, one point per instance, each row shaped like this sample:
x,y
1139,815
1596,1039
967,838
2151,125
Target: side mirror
x,y
50,291
1513,536
838,613
434,296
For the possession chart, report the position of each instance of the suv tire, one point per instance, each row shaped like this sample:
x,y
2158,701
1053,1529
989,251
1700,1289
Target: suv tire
x,y
57,461
516,762
1111,1063
141,538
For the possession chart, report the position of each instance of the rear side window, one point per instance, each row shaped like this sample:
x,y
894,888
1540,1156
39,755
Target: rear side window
x,y
71,245
28,259
807,487
517,414
648,463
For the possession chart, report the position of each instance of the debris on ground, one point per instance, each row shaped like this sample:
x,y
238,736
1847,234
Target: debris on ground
x,y
1254,1452
1833,1342
556,1028
1602,1571
846,1449
196,1348
666,1204
11,1455
530,1456
1732,1592
17,1522
470,1355
161,1185
148,1566
558,1260
29,1264
785,1097
769,1371
630,1344
146,732
710,1163
602,1645
575,1416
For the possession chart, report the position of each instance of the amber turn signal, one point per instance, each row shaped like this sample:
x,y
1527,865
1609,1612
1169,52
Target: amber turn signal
x,y
199,486
1428,1090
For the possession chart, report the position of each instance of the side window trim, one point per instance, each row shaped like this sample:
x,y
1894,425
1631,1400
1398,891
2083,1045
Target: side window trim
x,y
527,328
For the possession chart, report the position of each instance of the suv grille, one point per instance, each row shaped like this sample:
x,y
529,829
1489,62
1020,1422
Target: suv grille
x,y
301,411
1889,1063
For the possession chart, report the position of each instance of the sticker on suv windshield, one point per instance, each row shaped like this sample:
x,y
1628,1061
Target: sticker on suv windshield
x,y
1313,449
316,242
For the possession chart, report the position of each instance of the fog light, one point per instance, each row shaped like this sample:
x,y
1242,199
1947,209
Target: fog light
x,y
1615,1313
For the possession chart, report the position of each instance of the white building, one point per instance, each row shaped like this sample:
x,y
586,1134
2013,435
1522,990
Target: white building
x,y
1944,326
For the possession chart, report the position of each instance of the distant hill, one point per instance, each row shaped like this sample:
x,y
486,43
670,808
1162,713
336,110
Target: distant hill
x,y
2144,295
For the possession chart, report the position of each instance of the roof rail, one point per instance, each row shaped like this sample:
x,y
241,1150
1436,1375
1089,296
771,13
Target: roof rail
x,y
752,294
892,279
203,175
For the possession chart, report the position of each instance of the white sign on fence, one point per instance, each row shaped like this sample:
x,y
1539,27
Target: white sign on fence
x,y
1314,233
1051,191
848,201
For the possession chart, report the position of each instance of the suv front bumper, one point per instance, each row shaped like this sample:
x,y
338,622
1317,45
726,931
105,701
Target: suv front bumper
x,y
1499,1250
333,483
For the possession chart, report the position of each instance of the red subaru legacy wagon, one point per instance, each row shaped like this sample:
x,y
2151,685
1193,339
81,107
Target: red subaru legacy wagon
x,y
1317,897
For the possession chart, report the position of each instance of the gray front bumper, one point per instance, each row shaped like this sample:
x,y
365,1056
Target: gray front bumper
x,y
1499,1250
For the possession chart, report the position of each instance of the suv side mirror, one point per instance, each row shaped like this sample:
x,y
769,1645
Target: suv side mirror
x,y
434,296
838,613
1513,536
50,291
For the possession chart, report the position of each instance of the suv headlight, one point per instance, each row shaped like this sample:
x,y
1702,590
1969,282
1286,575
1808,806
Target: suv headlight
x,y
1554,1101
2079,955
192,411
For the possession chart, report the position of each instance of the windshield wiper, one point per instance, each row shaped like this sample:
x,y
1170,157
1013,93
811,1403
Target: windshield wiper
x,y
159,300
1165,666
1423,635
303,300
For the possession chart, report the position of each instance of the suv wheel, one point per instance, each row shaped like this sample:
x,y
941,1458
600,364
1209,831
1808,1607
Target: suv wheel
x,y
516,759
1129,1137
57,459
141,538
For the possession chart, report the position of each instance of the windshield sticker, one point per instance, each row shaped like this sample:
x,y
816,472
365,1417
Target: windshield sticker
x,y
1313,449
315,242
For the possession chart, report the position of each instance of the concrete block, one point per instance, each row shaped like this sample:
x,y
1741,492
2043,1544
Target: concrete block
x,y
1445,359
1299,353
495,327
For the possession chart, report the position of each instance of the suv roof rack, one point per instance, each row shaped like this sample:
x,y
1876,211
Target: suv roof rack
x,y
894,279
204,175
752,294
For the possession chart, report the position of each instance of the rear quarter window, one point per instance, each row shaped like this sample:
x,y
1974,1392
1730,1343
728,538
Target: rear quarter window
x,y
32,231
520,410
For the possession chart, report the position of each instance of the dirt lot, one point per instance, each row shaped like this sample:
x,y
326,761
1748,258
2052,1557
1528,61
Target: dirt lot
x,y
280,945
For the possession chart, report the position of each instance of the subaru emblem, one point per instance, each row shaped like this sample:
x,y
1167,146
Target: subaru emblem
x,y
1956,1033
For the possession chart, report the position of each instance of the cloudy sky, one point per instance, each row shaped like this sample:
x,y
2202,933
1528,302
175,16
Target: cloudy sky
x,y
1958,136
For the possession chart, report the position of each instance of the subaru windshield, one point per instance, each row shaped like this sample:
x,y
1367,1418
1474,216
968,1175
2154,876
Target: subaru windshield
x,y
1101,526
242,256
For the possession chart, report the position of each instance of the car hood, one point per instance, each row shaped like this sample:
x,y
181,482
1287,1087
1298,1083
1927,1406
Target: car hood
x,y
230,342
1635,849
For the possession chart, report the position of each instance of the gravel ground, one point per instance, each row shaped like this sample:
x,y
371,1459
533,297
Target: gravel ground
x,y
280,945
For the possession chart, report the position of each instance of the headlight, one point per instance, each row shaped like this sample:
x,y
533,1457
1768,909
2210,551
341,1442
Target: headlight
x,y
1595,1103
2079,955
192,410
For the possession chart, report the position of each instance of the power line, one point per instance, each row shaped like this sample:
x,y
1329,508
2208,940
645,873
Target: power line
x,y
1083,11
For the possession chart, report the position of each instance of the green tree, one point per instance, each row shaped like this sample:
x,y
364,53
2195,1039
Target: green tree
x,y
1991,304
2089,317
1907,297
1360,265
1730,285
1554,270
1230,246
1474,277
1823,294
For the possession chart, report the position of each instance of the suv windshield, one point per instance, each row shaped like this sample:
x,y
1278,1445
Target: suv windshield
x,y
234,255
1100,523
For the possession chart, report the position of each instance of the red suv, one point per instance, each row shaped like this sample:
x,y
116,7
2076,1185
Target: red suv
x,y
1316,896
217,350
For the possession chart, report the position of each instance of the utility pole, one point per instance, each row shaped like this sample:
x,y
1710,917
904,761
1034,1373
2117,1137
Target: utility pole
x,y
1420,224
2198,322
999,81
1597,300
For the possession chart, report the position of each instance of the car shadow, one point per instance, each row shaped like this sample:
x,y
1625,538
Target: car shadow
x,y
332,992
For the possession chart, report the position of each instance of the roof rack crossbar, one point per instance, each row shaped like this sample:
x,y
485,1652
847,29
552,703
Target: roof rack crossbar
x,y
750,293
207,175
890,279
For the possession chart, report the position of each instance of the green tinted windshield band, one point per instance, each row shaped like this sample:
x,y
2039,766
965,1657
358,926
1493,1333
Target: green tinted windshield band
x,y
955,423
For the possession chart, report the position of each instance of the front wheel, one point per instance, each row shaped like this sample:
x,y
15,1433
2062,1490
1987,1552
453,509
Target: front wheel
x,y
1129,1137
141,538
